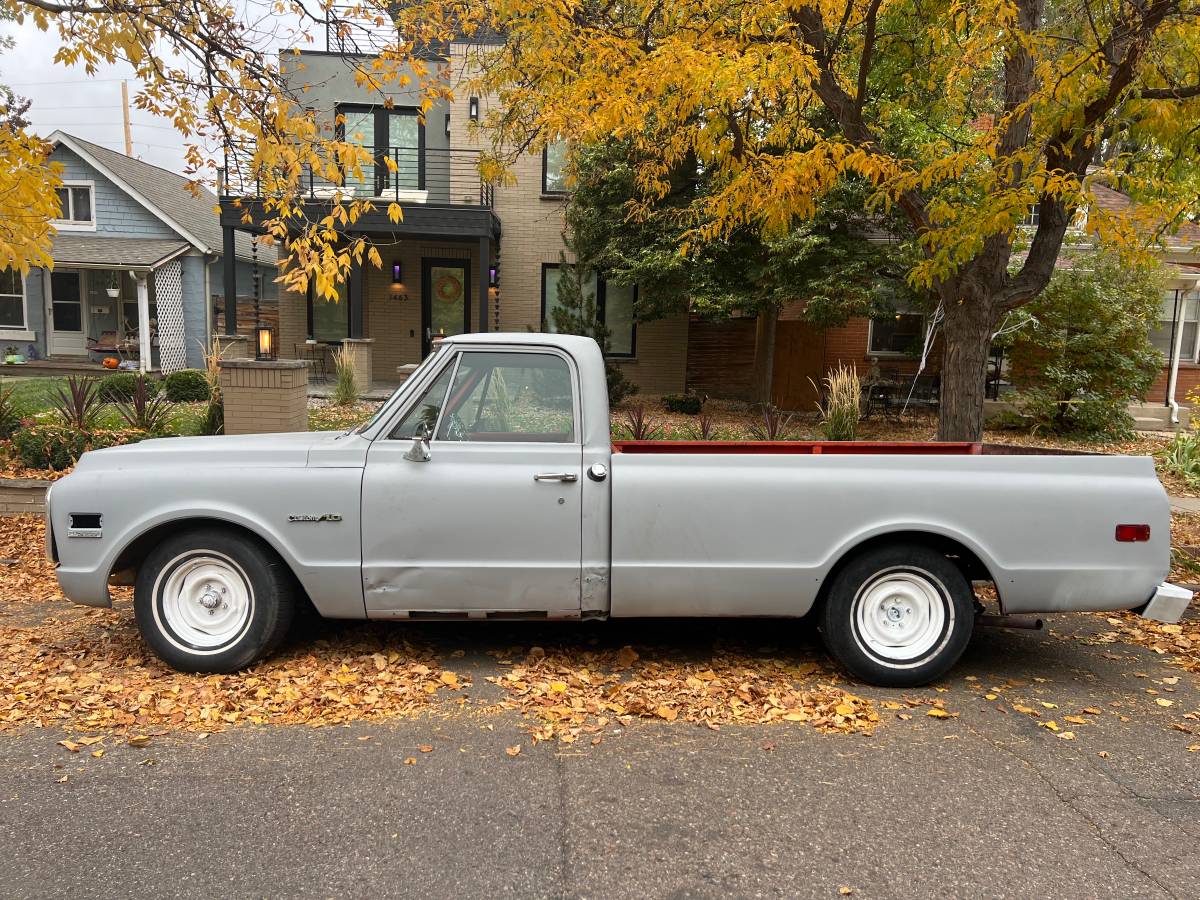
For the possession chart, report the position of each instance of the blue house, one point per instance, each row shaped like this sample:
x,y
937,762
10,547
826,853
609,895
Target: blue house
x,y
137,267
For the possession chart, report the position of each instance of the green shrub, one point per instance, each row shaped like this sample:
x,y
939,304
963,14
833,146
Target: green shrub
x,y
187,386
120,387
59,447
1083,351
687,404
1182,458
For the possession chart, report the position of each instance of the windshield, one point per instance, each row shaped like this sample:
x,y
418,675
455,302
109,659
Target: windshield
x,y
390,403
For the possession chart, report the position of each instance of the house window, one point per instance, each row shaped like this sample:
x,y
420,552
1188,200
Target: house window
x,y
554,163
897,333
75,205
614,307
1189,322
12,299
329,320
1033,216
394,135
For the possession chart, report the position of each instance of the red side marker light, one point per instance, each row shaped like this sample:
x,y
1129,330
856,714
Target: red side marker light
x,y
1129,534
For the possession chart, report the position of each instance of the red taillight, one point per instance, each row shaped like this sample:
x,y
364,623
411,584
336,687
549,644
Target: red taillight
x,y
1129,534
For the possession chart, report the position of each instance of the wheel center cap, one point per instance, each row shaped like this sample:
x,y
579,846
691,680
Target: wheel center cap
x,y
894,613
210,599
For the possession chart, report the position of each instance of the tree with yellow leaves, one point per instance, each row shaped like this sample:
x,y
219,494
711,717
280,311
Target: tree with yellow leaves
x,y
987,124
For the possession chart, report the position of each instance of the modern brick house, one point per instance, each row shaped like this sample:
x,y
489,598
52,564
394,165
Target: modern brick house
x,y
468,256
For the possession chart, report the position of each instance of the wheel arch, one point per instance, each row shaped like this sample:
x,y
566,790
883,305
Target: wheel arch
x,y
135,550
969,560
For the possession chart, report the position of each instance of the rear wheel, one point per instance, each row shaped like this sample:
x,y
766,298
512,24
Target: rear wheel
x,y
898,615
211,600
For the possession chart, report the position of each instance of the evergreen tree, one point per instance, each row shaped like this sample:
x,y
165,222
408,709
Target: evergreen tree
x,y
576,313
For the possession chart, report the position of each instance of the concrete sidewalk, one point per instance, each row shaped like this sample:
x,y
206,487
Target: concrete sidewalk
x,y
1185,504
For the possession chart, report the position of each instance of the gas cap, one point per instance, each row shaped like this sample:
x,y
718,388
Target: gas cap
x,y
597,471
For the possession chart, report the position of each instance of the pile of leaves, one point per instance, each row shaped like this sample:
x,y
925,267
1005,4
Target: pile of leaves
x,y
88,670
25,572
92,672
572,695
1179,642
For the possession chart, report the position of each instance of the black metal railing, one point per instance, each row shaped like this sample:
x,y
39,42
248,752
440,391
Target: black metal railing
x,y
408,175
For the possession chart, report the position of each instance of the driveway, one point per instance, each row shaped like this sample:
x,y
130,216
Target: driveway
x,y
986,801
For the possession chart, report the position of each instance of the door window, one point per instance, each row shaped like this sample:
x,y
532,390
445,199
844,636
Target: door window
x,y
68,311
447,300
426,410
510,397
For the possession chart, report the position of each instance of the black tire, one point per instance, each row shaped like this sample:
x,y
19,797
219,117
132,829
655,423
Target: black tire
x,y
182,585
869,597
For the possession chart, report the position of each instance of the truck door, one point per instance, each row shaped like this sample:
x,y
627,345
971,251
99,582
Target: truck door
x,y
485,515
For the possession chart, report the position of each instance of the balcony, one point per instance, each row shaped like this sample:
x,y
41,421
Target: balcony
x,y
439,176
439,189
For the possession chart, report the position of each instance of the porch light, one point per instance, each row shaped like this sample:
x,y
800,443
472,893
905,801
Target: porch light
x,y
494,276
473,109
397,273
447,124
264,337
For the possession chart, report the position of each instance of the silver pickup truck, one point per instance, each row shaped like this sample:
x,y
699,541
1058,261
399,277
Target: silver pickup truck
x,y
488,487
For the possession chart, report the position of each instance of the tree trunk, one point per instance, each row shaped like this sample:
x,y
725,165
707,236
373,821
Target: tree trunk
x,y
764,353
966,338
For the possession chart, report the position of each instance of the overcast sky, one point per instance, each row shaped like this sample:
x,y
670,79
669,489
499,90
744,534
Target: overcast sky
x,y
67,99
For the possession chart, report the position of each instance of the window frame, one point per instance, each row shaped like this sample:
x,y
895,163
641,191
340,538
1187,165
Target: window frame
x,y
892,354
71,224
1180,297
380,115
547,191
20,332
601,310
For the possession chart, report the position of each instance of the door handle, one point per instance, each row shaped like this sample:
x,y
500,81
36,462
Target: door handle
x,y
556,476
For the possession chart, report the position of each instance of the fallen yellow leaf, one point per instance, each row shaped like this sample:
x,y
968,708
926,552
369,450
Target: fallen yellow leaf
x,y
513,750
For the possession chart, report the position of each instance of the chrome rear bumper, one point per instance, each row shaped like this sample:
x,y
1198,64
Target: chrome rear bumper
x,y
1167,604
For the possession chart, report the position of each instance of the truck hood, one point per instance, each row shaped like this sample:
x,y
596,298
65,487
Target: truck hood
x,y
291,450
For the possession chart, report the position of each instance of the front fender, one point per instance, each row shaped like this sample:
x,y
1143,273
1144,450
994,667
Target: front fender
x,y
323,555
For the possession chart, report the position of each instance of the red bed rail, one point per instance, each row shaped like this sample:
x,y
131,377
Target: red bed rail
x,y
810,448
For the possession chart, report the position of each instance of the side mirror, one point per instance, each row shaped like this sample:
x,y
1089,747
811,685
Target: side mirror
x,y
419,451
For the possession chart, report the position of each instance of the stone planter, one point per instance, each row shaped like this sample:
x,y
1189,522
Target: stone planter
x,y
19,496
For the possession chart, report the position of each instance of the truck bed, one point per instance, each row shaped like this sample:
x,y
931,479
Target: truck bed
x,y
815,448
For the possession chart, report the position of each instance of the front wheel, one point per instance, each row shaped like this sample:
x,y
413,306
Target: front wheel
x,y
898,615
211,600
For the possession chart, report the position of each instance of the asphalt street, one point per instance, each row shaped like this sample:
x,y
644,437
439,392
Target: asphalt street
x,y
985,804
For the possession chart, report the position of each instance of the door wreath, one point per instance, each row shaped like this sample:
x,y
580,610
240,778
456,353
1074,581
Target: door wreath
x,y
447,288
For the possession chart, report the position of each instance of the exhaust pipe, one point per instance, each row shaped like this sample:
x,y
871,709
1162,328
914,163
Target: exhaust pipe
x,y
984,620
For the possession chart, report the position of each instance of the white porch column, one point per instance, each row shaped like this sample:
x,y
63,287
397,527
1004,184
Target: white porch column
x,y
143,303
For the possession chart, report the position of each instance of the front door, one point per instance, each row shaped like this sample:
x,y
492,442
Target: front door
x,y
66,332
445,309
491,521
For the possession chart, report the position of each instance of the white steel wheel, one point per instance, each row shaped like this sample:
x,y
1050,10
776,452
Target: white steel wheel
x,y
213,599
897,615
205,601
900,615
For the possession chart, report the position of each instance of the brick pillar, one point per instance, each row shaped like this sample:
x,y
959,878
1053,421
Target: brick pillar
x,y
360,352
233,346
264,397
